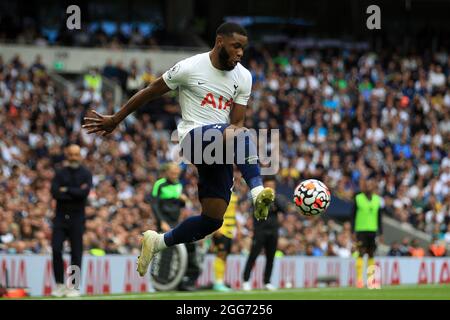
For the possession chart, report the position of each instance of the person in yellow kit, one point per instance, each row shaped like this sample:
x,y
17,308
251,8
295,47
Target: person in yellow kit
x,y
222,240
93,80
366,223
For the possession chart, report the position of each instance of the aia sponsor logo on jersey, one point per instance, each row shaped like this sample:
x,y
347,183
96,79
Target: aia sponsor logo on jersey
x,y
217,104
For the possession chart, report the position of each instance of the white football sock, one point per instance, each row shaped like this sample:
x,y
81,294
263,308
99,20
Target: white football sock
x,y
255,191
160,244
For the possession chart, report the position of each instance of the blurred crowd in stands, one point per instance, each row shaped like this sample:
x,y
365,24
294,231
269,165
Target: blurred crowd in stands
x,y
107,34
342,115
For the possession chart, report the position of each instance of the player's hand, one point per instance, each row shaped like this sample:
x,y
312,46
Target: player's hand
x,y
101,124
63,189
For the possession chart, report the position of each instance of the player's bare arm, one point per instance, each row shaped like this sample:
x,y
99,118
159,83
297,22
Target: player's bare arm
x,y
105,124
237,118
237,115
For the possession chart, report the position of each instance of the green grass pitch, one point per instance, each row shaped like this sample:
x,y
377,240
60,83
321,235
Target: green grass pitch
x,y
403,292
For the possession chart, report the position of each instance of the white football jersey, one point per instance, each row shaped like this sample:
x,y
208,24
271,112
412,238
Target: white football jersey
x,y
206,93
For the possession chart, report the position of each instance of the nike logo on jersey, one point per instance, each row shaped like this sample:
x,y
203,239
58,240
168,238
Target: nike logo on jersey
x,y
200,83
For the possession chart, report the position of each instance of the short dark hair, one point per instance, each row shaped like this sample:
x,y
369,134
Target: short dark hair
x,y
228,28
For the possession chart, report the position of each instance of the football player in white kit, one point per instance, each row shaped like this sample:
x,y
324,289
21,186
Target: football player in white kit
x,y
213,92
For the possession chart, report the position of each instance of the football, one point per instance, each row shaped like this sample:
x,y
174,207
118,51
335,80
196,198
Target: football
x,y
312,197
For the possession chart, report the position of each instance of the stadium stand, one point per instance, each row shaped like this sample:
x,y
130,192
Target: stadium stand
x,y
386,114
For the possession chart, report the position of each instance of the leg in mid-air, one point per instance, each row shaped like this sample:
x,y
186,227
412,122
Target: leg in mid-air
x,y
214,189
250,168
192,229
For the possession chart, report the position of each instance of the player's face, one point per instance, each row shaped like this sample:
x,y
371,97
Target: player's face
x,y
231,50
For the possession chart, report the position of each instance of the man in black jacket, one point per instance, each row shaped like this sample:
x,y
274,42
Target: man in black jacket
x,y
265,235
70,188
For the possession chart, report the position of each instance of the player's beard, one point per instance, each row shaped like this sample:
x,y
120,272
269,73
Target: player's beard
x,y
224,59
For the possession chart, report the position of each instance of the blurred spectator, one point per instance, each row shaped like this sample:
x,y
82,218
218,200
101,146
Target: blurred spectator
x,y
404,247
134,82
416,250
6,237
93,80
437,248
148,75
395,250
109,70
447,234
